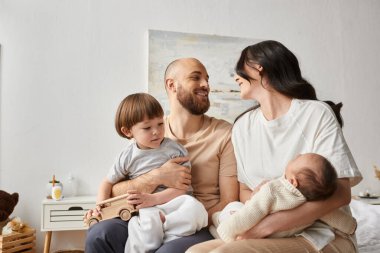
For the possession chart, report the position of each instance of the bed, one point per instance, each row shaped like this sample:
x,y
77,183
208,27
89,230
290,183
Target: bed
x,y
368,230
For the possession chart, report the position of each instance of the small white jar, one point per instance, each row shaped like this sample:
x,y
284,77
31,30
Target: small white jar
x,y
49,189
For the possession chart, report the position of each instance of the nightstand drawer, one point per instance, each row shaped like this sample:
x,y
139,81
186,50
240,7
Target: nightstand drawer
x,y
56,214
64,215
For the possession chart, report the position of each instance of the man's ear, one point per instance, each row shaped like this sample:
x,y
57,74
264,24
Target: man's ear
x,y
169,83
126,132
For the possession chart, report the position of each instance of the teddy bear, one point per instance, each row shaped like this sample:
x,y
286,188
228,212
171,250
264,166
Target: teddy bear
x,y
14,225
7,204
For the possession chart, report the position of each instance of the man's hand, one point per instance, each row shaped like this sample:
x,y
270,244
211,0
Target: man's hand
x,y
173,175
141,200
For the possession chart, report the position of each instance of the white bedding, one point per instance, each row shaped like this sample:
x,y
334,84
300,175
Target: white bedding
x,y
368,231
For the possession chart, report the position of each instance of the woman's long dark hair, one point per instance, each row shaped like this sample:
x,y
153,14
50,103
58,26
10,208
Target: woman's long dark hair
x,y
281,67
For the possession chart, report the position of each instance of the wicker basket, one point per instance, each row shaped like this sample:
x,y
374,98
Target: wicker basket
x,y
18,242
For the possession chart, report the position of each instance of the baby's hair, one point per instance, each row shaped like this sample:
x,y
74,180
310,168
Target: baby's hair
x,y
136,108
317,184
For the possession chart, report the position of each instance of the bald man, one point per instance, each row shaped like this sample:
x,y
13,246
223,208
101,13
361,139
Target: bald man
x,y
208,141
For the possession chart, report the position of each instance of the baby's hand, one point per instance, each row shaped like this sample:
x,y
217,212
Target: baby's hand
x,y
140,199
257,188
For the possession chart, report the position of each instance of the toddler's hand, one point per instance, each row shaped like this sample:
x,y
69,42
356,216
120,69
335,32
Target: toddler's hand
x,y
93,212
140,199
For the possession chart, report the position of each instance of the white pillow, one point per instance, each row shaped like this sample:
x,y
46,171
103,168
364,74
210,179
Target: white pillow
x,y
368,231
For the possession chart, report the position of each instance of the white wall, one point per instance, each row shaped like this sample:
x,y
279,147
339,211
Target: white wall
x,y
65,65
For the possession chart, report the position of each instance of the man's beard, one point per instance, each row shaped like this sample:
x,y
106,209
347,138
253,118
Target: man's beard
x,y
191,102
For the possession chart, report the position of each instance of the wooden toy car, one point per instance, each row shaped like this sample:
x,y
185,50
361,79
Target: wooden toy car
x,y
113,207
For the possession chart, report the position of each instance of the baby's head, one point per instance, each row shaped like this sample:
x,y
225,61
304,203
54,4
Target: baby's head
x,y
313,175
140,116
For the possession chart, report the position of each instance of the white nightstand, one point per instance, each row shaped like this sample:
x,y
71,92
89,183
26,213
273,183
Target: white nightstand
x,y
65,214
371,201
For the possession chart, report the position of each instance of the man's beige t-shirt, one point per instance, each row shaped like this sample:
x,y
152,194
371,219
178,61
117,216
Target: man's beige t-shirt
x,y
211,156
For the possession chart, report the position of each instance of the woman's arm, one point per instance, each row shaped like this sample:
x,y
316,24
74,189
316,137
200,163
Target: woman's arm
x,y
170,174
229,191
302,215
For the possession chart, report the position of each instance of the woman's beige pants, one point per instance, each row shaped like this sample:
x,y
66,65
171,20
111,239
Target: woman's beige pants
x,y
277,245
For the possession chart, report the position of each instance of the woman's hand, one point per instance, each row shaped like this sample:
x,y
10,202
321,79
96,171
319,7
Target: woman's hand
x,y
141,199
258,231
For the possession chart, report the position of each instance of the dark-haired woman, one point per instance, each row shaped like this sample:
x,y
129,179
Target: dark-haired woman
x,y
289,120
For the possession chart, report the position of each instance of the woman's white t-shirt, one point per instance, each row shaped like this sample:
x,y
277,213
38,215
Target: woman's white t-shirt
x,y
263,148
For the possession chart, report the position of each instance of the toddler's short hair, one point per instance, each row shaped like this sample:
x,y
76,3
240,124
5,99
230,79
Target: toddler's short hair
x,y
134,109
